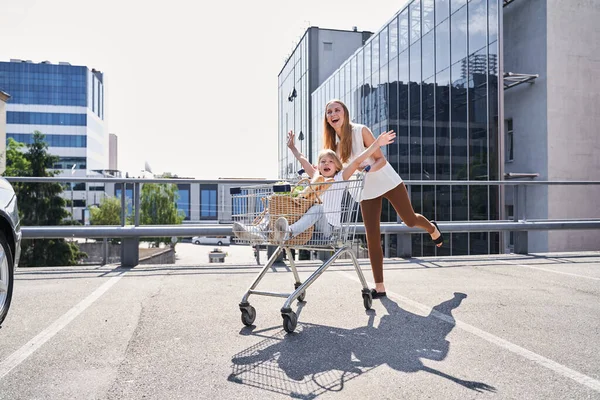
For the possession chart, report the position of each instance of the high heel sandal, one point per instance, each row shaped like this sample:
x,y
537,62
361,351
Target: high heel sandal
x,y
377,295
440,238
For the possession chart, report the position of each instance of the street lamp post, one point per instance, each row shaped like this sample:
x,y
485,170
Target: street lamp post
x,y
72,212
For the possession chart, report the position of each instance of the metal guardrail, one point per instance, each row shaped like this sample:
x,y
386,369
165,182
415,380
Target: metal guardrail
x,y
128,231
132,233
63,179
69,231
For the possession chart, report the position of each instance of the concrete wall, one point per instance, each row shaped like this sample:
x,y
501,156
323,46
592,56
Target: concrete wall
x,y
95,250
344,44
555,120
113,151
164,257
574,117
525,52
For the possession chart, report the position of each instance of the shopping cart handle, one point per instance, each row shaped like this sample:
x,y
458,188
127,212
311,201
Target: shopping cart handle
x,y
282,188
367,168
236,190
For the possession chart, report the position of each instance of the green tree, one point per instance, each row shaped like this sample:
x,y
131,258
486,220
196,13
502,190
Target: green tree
x,y
40,204
158,207
107,213
16,163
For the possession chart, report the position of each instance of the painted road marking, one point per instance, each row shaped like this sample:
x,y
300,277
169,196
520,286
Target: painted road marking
x,y
30,347
550,270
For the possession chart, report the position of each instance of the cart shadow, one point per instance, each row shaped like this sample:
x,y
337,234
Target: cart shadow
x,y
322,359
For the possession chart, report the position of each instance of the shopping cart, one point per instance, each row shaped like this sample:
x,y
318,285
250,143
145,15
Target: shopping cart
x,y
256,210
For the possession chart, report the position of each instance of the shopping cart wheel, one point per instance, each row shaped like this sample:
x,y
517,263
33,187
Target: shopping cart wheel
x,y
248,315
367,300
290,320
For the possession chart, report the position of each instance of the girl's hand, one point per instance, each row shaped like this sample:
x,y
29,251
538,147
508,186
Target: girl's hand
x,y
386,138
290,142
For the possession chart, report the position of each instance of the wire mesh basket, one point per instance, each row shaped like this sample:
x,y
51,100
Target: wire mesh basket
x,y
318,214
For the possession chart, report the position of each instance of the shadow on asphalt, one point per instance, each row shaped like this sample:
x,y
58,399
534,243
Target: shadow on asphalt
x,y
320,359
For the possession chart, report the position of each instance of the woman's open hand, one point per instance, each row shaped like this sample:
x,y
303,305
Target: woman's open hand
x,y
386,138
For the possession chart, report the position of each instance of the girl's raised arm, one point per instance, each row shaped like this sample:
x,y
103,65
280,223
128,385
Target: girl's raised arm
x,y
308,168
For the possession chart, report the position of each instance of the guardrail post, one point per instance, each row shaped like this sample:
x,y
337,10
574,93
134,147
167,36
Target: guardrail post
x,y
521,242
130,252
123,203
521,238
130,246
271,250
136,203
404,245
104,251
386,245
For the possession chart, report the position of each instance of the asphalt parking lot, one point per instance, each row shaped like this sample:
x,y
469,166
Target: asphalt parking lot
x,y
505,326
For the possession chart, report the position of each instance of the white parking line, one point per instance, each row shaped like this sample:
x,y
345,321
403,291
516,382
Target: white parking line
x,y
530,355
550,270
30,347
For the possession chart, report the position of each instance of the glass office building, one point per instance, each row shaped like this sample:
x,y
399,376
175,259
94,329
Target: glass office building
x,y
317,55
66,103
431,74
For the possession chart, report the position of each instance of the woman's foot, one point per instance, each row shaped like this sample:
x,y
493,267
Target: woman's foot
x,y
379,291
436,236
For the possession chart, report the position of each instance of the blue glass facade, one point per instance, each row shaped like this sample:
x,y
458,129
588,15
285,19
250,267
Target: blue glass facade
x,y
67,163
40,118
183,200
51,84
431,75
62,101
52,140
208,202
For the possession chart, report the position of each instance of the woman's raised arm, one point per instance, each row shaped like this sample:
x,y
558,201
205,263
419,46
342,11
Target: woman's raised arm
x,y
384,139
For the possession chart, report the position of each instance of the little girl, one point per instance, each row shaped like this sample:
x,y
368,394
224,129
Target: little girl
x,y
325,216
330,173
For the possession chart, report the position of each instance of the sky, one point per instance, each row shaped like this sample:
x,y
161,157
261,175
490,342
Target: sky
x,y
190,86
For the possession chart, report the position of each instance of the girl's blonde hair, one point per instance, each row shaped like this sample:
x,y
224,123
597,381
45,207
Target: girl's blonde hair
x,y
329,136
336,160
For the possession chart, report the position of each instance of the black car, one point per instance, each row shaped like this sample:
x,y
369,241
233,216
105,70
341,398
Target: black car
x,y
10,241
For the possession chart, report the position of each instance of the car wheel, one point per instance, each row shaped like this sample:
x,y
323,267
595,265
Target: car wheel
x,y
197,242
6,277
219,243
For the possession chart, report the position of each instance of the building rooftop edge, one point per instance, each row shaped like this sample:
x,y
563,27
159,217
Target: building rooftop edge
x,y
46,62
321,29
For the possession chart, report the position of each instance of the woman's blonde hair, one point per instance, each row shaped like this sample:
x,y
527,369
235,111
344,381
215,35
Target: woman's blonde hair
x,y
329,136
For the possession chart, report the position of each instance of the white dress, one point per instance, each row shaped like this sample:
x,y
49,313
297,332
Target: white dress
x,y
378,182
